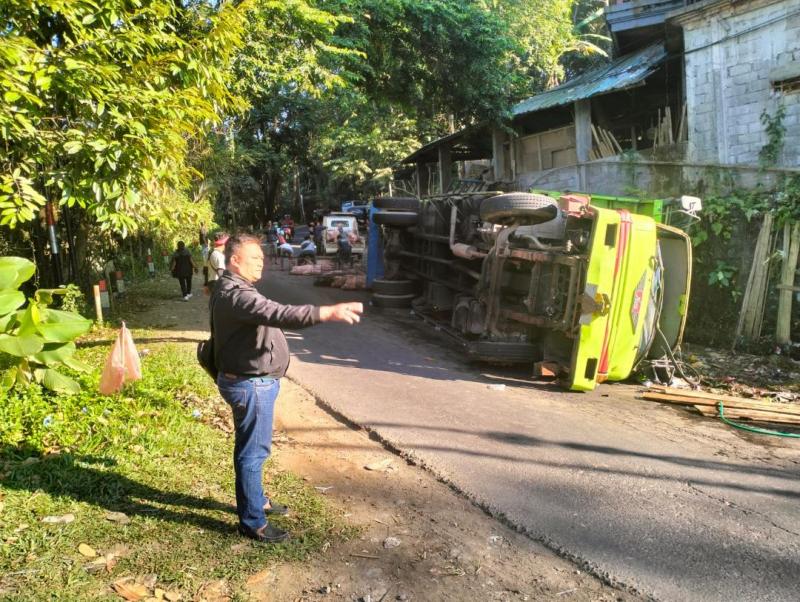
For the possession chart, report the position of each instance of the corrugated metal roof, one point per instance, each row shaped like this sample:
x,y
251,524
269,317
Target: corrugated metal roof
x,y
620,73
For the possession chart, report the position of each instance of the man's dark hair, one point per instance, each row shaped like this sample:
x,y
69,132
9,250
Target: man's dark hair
x,y
235,242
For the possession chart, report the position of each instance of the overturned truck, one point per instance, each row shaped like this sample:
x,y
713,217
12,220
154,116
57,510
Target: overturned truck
x,y
584,292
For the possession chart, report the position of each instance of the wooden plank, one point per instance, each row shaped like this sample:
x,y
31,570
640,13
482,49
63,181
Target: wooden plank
x,y
657,141
683,135
754,415
782,409
701,394
668,124
671,391
614,142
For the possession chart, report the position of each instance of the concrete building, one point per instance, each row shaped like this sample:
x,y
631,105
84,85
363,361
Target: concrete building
x,y
683,104
741,60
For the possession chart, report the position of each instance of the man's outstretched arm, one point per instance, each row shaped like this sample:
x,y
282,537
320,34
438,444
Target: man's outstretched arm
x,y
342,312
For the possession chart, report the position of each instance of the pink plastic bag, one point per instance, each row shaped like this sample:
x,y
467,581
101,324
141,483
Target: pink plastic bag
x,y
122,365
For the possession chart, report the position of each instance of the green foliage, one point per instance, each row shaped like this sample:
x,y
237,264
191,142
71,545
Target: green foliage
x,y
38,339
100,98
776,132
547,31
722,274
144,453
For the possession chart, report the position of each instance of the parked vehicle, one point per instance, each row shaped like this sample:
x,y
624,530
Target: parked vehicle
x,y
341,223
583,292
357,208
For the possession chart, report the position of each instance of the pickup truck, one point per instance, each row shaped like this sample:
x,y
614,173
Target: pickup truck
x,y
581,291
334,223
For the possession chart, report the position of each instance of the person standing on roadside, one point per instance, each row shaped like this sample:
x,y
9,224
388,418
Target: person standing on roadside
x,y
182,266
252,355
203,240
216,260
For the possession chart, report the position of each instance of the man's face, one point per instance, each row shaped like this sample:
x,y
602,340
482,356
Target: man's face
x,y
248,261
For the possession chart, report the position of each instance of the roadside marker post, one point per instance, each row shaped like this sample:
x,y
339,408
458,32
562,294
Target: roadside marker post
x,y
105,300
120,283
151,267
98,303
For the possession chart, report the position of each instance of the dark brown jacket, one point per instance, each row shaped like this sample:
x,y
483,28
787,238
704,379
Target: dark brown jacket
x,y
248,340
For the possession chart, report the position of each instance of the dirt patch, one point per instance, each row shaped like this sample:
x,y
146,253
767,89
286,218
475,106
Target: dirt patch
x,y
775,376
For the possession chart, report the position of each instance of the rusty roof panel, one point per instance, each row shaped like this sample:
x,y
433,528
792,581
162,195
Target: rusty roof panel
x,y
618,74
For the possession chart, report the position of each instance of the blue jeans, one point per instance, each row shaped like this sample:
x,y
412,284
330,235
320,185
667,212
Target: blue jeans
x,y
252,401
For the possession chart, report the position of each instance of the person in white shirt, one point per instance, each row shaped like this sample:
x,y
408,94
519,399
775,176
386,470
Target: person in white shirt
x,y
216,260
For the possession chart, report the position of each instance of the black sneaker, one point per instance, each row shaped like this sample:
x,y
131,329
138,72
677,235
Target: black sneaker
x,y
266,534
276,509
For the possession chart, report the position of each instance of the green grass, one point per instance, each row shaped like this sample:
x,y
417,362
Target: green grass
x,y
146,453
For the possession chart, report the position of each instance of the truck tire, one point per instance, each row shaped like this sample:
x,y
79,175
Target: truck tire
x,y
397,219
519,207
398,203
382,286
392,301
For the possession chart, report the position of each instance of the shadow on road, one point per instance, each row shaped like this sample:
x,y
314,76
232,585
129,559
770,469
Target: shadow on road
x,y
700,478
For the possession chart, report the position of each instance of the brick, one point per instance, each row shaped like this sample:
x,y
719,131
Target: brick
x,y
752,138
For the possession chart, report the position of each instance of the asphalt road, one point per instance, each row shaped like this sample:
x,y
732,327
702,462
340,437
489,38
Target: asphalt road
x,y
645,496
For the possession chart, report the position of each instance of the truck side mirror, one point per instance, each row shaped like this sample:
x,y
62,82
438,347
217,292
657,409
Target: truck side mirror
x,y
691,204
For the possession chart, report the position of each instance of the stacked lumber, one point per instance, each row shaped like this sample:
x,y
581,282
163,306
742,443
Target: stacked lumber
x,y
604,144
736,408
665,132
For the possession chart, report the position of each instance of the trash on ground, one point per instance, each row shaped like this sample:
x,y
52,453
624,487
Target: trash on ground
x,y
381,465
123,364
59,520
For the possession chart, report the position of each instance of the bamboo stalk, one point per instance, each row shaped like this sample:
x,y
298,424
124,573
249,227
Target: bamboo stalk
x,y
791,250
748,327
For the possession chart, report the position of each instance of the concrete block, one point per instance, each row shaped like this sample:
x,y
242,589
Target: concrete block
x,y
739,69
752,138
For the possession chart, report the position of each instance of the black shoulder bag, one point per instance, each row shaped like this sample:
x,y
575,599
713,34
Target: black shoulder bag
x,y
205,349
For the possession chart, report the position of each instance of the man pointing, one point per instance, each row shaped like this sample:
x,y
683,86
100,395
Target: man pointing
x,y
252,355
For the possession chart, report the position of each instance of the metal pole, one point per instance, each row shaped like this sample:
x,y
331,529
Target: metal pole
x,y
51,231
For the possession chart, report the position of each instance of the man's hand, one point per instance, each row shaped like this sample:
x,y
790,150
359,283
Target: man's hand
x,y
342,312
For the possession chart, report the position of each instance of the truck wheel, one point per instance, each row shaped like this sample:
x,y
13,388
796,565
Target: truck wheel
x,y
399,203
382,286
519,207
398,219
392,301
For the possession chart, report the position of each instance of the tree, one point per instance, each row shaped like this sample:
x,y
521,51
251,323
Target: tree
x,y
101,98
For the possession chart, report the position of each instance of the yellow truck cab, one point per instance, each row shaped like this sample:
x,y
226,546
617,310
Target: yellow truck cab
x,y
583,290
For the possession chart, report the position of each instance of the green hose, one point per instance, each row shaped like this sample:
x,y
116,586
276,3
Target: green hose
x,y
752,429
